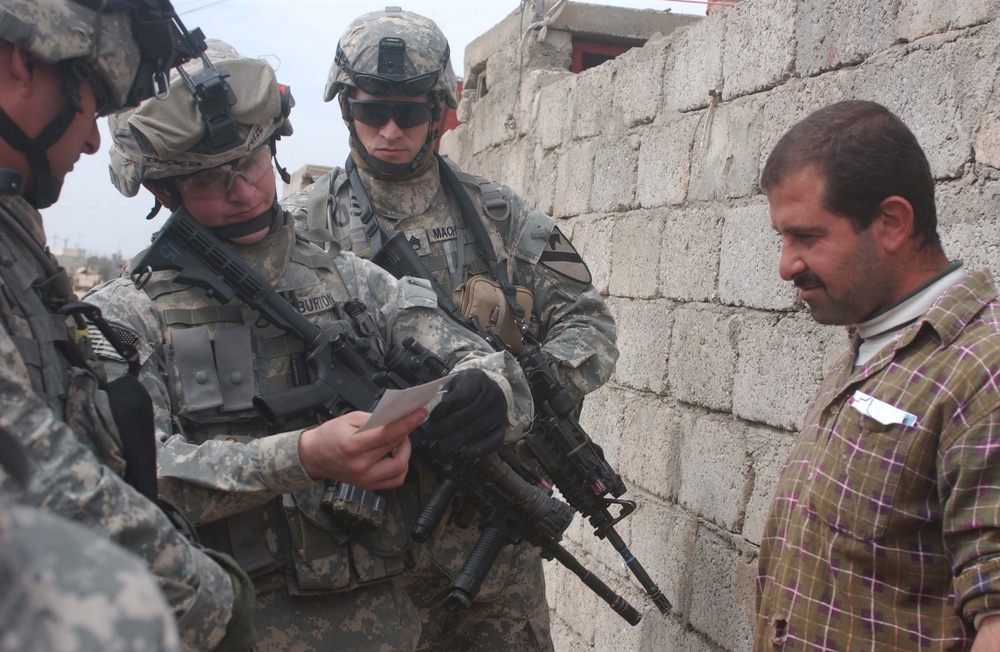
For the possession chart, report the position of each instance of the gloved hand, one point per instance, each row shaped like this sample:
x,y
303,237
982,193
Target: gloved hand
x,y
471,418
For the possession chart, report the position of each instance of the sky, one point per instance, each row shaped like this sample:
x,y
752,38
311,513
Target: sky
x,y
299,39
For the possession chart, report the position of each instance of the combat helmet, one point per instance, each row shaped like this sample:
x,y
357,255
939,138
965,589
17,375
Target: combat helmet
x,y
125,45
394,50
162,139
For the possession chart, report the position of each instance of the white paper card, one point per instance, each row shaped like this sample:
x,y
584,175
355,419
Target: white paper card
x,y
880,411
397,403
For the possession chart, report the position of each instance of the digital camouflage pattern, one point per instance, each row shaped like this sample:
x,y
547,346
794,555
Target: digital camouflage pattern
x,y
572,320
63,421
223,462
58,30
64,588
426,50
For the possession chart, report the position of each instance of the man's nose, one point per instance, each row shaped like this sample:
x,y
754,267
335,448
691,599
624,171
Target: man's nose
x,y
790,264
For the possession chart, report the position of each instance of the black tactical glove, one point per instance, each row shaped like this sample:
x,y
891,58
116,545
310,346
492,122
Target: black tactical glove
x,y
471,418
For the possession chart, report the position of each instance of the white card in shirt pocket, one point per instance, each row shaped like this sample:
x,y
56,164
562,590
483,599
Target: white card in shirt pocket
x,y
880,411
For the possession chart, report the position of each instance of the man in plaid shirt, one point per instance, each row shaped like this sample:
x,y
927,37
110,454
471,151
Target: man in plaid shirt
x,y
884,533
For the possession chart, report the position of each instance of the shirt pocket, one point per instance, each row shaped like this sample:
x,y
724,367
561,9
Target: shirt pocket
x,y
855,484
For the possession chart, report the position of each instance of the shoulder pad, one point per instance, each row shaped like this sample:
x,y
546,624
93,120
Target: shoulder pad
x,y
417,292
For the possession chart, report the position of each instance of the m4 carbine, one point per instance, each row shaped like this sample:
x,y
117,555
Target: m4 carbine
x,y
570,458
348,374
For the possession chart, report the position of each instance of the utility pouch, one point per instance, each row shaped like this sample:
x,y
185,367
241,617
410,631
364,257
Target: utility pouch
x,y
321,558
484,298
242,536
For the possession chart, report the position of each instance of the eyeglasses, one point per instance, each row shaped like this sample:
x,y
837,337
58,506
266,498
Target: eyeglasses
x,y
380,86
209,184
103,101
376,113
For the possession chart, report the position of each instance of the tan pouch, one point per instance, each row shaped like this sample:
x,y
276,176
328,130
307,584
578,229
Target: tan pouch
x,y
483,298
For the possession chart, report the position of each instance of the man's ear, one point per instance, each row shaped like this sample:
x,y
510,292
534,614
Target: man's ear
x,y
894,223
163,195
19,69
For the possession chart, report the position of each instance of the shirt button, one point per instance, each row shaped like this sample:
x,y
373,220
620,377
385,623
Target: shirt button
x,y
201,377
236,378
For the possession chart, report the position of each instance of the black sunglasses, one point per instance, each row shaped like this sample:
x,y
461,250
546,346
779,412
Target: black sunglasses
x,y
376,113
380,86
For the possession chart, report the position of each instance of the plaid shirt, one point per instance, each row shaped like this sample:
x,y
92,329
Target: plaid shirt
x,y
887,537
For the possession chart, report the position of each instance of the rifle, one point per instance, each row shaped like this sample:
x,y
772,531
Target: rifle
x,y
566,452
349,374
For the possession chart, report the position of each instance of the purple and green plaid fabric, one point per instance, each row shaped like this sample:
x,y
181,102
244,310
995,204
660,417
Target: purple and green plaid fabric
x,y
887,537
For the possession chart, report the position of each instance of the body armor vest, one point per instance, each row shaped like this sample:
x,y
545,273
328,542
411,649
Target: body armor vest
x,y
219,357
27,306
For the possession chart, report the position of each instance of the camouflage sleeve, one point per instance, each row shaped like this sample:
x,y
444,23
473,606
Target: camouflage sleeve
x,y
576,327
207,481
63,588
408,308
68,481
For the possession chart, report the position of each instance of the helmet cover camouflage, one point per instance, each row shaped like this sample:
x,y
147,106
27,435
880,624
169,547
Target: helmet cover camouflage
x,y
426,51
165,138
63,30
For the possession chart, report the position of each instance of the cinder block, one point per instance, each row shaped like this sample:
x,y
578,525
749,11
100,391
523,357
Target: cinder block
x,y
748,265
552,124
939,86
489,114
831,35
694,65
703,357
616,165
759,46
573,180
714,463
592,105
564,637
968,216
603,416
637,93
665,162
643,343
768,451
636,271
650,450
592,239
689,258
779,367
457,145
987,144
919,18
726,154
722,603
663,540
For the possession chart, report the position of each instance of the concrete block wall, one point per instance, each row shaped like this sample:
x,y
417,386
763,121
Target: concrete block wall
x,y
651,162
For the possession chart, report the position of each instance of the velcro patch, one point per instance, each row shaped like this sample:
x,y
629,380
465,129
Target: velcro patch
x,y
441,233
560,256
315,304
418,240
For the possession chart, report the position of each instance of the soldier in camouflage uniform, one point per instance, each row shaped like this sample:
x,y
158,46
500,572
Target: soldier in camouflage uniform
x,y
324,581
64,588
57,74
392,76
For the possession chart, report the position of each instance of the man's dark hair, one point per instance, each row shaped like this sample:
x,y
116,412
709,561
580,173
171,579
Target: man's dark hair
x,y
865,153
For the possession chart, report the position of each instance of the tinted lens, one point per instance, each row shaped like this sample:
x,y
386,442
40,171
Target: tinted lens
x,y
376,114
419,85
377,86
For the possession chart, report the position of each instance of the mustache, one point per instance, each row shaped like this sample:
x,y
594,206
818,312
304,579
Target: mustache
x,y
806,280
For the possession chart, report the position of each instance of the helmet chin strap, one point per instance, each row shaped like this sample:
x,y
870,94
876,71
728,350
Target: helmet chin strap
x,y
45,187
266,220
